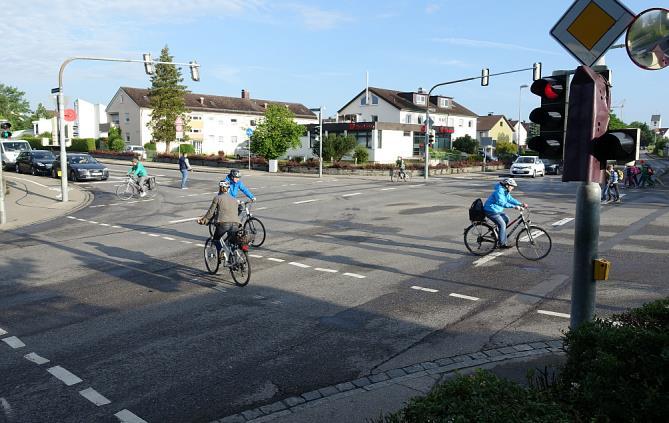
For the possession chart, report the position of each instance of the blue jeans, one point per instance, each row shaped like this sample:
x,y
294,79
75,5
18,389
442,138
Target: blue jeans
x,y
605,192
184,177
501,220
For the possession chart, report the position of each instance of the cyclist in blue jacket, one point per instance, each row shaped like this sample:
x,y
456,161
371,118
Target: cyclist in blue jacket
x,y
499,200
236,185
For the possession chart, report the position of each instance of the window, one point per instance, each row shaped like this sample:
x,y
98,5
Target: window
x,y
500,123
469,123
379,139
375,118
375,100
233,139
221,138
198,146
127,117
252,123
408,118
420,120
196,117
443,102
420,99
127,137
407,133
461,122
120,98
363,101
233,121
364,138
195,131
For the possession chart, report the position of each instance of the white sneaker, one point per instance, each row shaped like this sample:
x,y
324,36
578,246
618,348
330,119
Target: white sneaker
x,y
142,194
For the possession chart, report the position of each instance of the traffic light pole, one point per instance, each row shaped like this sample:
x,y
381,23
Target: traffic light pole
x,y
61,108
3,215
427,109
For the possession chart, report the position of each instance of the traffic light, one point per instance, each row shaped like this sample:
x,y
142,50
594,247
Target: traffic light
x,y
148,64
315,133
621,145
5,130
194,71
589,106
550,116
430,139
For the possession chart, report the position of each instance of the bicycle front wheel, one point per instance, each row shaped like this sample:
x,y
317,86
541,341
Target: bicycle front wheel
x,y
212,228
480,238
211,256
407,177
151,192
535,244
241,269
125,191
256,232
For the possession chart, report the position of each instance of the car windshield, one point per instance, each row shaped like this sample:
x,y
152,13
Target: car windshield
x,y
525,160
43,155
16,146
82,160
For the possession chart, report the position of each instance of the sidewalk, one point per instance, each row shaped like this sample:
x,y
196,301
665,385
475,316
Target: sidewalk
x,y
380,393
34,199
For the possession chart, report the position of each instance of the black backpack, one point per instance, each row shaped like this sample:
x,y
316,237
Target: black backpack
x,y
476,213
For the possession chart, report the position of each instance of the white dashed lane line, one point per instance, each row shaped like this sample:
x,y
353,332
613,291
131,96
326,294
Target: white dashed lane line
x,y
354,275
387,189
554,313
304,266
13,342
94,396
351,195
255,255
64,375
305,201
563,221
420,288
489,257
36,358
183,220
126,416
464,297
278,260
320,269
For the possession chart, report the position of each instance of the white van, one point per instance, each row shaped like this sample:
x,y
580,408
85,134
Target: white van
x,y
10,150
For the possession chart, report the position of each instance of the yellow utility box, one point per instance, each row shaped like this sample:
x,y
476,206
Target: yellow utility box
x,y
601,269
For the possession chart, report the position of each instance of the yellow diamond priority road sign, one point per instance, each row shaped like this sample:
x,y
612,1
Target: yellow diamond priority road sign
x,y
590,27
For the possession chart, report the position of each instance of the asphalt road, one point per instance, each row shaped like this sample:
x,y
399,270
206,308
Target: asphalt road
x,y
356,274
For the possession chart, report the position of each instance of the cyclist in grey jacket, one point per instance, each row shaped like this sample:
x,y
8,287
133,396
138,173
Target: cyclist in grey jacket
x,y
225,209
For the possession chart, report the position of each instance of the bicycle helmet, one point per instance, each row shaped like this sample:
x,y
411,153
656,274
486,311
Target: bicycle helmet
x,y
509,182
224,184
234,173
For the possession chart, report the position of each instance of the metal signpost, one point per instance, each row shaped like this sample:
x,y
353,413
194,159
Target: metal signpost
x,y
320,139
249,133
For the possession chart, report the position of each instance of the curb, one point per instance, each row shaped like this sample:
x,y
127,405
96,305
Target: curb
x,y
441,366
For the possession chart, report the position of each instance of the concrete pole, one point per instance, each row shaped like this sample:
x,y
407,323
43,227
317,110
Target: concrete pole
x,y
586,240
61,141
320,142
3,214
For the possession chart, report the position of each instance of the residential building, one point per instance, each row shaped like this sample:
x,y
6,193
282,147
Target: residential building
x,y
520,132
392,123
90,122
217,123
662,133
494,126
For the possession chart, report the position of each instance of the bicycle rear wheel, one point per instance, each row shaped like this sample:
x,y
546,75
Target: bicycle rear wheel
x,y
393,177
125,191
407,177
211,256
256,232
535,244
240,270
480,238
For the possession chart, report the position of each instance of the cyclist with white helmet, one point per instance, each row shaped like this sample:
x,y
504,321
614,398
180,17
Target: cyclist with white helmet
x,y
499,200
225,208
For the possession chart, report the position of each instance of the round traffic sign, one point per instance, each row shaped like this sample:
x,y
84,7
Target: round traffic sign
x,y
249,132
70,115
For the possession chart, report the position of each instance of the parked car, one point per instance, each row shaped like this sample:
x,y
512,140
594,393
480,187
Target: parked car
x,y
242,151
81,166
36,162
10,150
553,167
138,150
528,165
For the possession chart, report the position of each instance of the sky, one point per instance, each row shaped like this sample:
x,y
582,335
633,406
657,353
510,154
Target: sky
x,y
312,52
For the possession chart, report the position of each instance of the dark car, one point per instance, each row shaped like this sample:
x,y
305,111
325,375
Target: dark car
x,y
80,167
553,167
36,162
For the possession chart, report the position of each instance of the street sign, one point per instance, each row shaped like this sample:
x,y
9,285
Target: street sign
x,y
249,132
55,90
70,115
589,27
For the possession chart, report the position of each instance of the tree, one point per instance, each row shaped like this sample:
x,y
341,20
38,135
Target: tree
x,y
115,139
503,138
505,147
335,146
167,99
466,144
361,154
647,136
276,133
14,107
615,123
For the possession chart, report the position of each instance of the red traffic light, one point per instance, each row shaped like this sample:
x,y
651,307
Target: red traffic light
x,y
548,88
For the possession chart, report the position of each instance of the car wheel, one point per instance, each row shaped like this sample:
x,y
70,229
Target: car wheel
x,y
33,171
73,176
534,174
17,168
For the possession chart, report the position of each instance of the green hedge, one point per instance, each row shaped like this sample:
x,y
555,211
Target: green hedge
x,y
150,146
83,144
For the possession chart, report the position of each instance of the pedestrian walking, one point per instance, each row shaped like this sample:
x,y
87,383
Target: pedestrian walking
x,y
630,173
184,168
607,183
646,175
613,193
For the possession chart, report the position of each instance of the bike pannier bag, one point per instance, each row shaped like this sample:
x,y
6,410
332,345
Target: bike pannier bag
x,y
152,182
476,213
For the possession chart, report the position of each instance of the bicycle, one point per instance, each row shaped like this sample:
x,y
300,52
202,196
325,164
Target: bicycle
x,y
130,188
396,175
233,255
532,242
254,228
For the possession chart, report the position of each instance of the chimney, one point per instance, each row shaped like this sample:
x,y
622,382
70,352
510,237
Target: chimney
x,y
264,105
246,95
202,101
490,113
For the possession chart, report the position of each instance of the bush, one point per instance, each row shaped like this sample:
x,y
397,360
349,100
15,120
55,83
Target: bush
x,y
112,153
221,155
481,397
617,369
150,146
35,142
102,143
184,148
361,155
117,144
83,144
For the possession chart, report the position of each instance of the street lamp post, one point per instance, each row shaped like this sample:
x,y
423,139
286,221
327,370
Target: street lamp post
x,y
195,75
320,139
520,93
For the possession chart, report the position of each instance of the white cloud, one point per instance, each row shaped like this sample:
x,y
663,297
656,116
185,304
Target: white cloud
x,y
467,42
432,8
319,19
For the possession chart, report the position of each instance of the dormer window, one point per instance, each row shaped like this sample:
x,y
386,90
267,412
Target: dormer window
x,y
374,100
420,99
444,103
